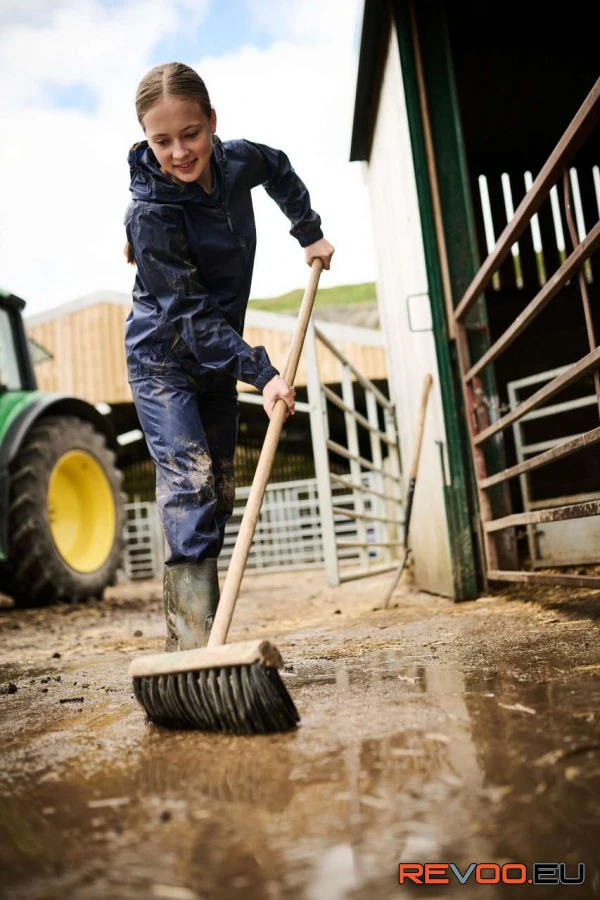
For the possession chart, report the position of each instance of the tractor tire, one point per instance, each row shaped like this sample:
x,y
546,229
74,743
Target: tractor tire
x,y
66,514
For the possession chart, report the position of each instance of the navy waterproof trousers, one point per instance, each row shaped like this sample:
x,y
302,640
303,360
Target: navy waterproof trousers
x,y
190,425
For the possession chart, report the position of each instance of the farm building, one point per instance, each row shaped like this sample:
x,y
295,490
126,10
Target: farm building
x,y
485,195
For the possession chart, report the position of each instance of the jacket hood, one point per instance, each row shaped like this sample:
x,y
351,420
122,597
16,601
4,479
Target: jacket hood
x,y
149,183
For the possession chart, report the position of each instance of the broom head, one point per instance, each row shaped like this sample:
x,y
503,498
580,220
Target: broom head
x,y
233,688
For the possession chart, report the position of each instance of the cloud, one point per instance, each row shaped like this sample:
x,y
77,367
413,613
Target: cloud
x,y
65,178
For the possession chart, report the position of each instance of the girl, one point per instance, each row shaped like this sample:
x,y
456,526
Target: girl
x,y
191,234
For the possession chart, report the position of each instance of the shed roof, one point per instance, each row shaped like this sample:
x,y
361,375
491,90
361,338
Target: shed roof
x,y
376,22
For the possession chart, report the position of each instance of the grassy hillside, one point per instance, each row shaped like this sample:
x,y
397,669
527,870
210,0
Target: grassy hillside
x,y
345,295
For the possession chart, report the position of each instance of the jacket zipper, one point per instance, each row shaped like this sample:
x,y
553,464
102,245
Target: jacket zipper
x,y
240,240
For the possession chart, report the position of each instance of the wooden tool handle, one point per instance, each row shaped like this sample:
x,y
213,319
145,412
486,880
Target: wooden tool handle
x,y
239,558
427,382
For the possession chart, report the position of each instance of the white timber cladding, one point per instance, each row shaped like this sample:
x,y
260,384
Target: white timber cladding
x,y
86,339
402,291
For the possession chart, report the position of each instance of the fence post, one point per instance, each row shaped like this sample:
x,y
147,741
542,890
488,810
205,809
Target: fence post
x,y
382,529
319,432
355,466
395,465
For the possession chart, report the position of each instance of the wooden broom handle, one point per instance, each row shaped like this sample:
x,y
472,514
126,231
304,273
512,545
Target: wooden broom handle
x,y
239,557
427,382
414,468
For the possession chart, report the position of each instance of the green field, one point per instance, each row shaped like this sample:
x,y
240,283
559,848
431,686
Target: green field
x,y
345,295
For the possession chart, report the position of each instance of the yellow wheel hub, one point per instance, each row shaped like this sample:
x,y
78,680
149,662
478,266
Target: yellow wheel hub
x,y
81,511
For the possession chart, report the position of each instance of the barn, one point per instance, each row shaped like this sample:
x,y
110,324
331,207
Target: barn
x,y
485,192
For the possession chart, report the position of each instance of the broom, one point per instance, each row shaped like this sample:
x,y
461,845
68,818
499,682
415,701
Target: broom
x,y
234,688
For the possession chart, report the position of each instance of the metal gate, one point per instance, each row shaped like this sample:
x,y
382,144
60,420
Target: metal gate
x,y
369,496
556,181
348,521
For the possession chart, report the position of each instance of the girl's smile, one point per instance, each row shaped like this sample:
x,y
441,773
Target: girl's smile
x,y
180,135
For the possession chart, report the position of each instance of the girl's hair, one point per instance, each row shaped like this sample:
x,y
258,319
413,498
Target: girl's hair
x,y
175,80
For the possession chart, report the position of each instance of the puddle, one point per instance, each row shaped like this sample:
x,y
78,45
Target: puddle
x,y
396,761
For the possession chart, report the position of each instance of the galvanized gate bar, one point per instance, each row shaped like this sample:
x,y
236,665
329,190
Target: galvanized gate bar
x,y
382,531
347,454
337,401
574,136
319,433
351,485
373,487
370,544
355,466
367,385
352,514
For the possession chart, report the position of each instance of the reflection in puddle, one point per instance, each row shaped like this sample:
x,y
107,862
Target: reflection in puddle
x,y
393,762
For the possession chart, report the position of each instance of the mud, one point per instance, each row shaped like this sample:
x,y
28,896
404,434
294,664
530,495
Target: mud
x,y
431,732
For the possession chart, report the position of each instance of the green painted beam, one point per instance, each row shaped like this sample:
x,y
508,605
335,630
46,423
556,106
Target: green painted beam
x,y
460,502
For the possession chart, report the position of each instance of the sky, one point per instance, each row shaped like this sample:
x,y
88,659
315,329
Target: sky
x,y
281,72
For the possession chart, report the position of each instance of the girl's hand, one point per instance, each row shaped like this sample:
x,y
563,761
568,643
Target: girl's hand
x,y
319,250
274,389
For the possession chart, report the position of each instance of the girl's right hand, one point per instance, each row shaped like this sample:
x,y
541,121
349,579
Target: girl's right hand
x,y
275,389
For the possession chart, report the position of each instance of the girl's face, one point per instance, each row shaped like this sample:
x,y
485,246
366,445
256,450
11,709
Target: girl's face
x,y
180,135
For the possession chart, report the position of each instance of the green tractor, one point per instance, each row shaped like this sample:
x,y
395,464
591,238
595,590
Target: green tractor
x,y
61,506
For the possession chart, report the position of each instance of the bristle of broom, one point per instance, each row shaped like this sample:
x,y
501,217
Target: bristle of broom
x,y
243,699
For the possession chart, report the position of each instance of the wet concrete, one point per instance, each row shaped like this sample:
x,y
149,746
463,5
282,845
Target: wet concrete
x,y
431,732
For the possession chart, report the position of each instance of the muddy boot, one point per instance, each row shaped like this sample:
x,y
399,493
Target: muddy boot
x,y
191,597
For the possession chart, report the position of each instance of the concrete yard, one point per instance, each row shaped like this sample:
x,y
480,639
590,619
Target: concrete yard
x,y
431,732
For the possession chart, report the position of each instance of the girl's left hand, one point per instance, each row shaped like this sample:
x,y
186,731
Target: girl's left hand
x,y
319,250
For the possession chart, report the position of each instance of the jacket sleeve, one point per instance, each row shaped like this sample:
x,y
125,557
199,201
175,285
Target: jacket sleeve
x,y
274,171
158,239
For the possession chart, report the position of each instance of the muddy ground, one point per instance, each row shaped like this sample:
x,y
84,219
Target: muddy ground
x,y
431,732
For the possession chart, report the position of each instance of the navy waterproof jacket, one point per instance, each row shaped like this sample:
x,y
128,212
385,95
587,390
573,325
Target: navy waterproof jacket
x,y
194,253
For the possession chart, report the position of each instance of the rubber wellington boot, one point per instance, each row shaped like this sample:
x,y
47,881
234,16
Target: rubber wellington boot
x,y
191,597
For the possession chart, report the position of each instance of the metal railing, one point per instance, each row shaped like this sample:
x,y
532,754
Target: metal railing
x,y
349,522
288,537
373,484
484,423
554,544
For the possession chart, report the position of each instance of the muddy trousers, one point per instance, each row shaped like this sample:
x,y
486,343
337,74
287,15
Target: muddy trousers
x,y
190,427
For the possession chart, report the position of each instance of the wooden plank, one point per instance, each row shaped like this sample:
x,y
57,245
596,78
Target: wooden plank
x,y
89,358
